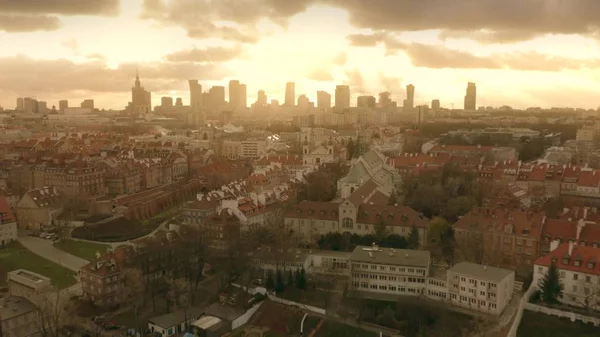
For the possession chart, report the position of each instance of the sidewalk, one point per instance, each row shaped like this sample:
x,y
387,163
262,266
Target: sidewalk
x,y
45,249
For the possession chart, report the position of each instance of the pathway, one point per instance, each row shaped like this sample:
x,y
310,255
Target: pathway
x,y
45,249
162,226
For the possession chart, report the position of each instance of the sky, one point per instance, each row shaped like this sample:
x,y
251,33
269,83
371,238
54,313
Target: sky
x,y
520,53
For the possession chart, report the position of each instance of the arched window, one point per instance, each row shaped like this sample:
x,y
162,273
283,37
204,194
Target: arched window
x,y
347,223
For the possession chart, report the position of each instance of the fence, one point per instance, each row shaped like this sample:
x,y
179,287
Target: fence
x,y
563,314
299,305
524,300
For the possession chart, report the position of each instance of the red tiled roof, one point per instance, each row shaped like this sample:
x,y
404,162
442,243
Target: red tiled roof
x,y
495,219
314,210
589,178
587,256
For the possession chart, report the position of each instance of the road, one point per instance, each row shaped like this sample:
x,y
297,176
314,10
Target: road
x,y
45,249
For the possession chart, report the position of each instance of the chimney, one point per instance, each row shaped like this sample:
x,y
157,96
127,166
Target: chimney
x,y
554,244
571,244
375,247
580,225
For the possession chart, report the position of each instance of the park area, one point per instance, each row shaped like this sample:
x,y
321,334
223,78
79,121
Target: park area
x,y
115,230
15,256
82,249
536,324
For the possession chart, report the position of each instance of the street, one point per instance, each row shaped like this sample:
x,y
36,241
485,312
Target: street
x,y
45,249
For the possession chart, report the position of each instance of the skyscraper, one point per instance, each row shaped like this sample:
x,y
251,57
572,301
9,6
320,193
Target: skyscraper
x,y
261,99
471,97
323,100
384,99
290,94
243,96
303,102
20,105
409,102
62,105
166,101
216,98
342,96
365,102
87,103
435,104
197,116
234,93
140,98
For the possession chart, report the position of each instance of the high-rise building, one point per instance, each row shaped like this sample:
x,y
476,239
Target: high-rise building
x,y
178,101
384,99
261,99
274,103
471,97
290,94
20,105
409,102
197,116
30,105
234,93
303,102
243,96
141,102
42,107
435,104
342,96
216,98
365,102
62,105
87,103
323,100
166,101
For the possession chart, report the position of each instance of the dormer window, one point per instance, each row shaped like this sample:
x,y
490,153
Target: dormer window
x,y
582,243
590,265
577,263
565,260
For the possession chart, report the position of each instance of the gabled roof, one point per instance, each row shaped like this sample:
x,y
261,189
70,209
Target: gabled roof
x,y
588,257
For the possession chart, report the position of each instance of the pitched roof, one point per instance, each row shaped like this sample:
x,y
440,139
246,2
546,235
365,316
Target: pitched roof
x,y
314,210
391,215
521,223
588,257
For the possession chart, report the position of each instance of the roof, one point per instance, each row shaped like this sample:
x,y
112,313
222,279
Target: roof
x,y
390,256
206,322
480,272
44,197
391,215
588,257
14,306
314,210
526,224
173,318
224,311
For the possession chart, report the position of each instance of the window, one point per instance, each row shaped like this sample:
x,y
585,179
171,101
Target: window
x,y
588,279
347,223
574,288
575,276
540,270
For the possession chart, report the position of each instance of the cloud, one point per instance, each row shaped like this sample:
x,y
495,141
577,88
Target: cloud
x,y
211,54
96,56
340,59
198,17
15,23
61,7
504,20
320,74
439,56
366,40
71,44
486,36
26,76
355,80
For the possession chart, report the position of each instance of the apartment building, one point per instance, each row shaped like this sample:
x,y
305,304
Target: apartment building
x,y
579,270
39,207
482,288
221,233
102,280
389,271
19,318
27,284
8,222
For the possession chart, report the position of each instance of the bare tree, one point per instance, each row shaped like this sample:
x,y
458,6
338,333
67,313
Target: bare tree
x,y
134,293
589,297
179,294
54,313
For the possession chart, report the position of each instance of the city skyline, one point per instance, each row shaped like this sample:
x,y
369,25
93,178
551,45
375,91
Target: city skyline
x,y
93,50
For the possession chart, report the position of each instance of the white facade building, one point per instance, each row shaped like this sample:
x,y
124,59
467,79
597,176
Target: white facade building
x,y
579,270
389,271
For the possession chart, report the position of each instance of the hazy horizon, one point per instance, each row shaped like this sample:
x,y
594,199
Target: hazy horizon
x,y
520,53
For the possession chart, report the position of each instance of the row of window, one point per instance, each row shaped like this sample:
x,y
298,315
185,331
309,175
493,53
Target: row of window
x,y
365,285
418,271
389,278
472,301
473,282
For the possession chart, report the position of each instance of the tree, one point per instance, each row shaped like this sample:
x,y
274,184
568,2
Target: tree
x,y
179,295
134,293
550,285
350,149
54,313
279,284
380,231
270,284
590,295
301,284
440,239
413,238
290,278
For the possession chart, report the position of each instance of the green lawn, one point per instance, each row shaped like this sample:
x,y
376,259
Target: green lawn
x,y
15,256
334,329
536,324
85,250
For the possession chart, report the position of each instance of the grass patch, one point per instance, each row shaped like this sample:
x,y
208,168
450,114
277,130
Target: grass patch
x,y
414,317
116,230
15,256
334,329
537,324
84,250
311,296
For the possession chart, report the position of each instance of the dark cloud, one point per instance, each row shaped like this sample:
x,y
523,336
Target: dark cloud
x,y
24,75
211,54
366,40
198,17
15,23
506,19
61,7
